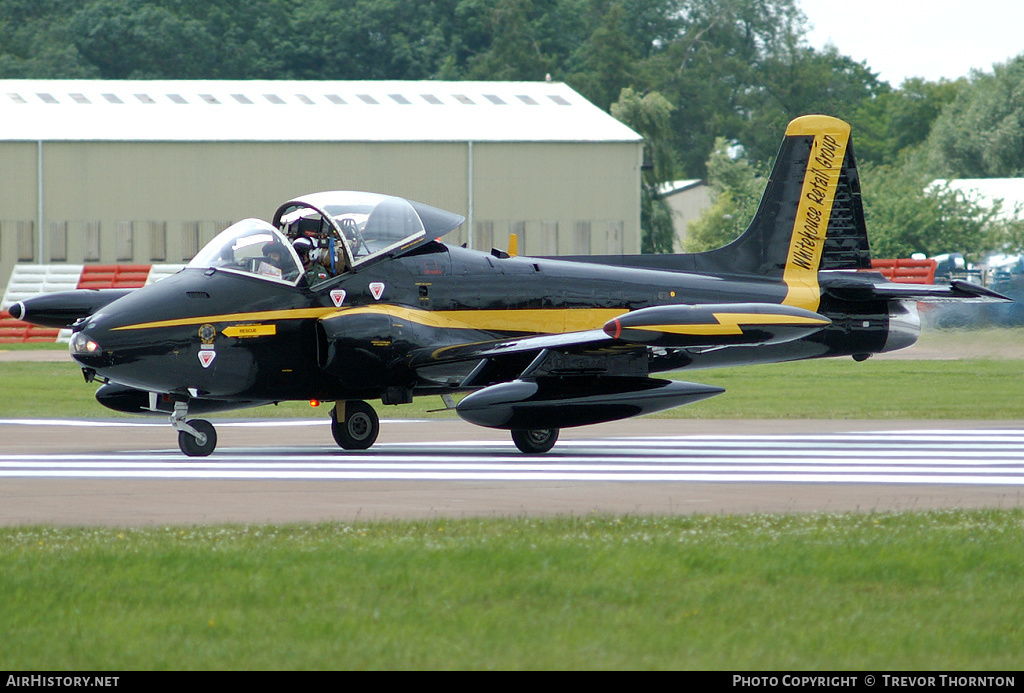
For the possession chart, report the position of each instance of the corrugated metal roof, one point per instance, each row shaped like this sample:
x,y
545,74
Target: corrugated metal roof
x,y
162,110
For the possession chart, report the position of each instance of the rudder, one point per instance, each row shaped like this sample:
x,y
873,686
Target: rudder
x,y
807,186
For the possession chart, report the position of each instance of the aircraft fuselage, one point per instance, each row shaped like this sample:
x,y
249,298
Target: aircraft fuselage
x,y
223,336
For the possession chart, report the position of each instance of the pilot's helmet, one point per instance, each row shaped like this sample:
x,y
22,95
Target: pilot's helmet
x,y
275,247
303,246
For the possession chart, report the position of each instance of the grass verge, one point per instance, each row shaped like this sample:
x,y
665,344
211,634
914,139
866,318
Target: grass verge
x,y
924,591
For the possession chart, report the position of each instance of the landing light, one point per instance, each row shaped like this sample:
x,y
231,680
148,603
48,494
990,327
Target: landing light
x,y
82,344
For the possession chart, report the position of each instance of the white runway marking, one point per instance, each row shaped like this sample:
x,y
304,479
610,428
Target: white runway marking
x,y
971,457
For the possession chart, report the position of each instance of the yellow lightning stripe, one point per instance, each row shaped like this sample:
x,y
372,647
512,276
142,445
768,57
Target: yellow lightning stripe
x,y
730,323
295,314
821,178
539,321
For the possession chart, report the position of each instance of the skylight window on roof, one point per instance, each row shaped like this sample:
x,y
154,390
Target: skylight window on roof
x,y
273,98
209,98
79,98
560,100
335,99
528,100
48,98
368,99
462,98
430,98
145,98
305,99
177,98
17,98
495,99
113,98
398,98
242,98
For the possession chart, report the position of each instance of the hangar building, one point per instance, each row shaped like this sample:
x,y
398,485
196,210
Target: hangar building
x,y
149,171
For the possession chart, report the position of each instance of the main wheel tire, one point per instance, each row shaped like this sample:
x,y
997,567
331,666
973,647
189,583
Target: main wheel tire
x,y
535,441
359,429
198,447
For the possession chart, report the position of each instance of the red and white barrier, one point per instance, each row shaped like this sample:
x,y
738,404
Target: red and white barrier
x,y
31,280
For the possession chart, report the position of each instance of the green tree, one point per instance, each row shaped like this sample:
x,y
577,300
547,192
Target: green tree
x,y
893,121
650,115
713,69
981,133
796,80
906,214
36,41
736,188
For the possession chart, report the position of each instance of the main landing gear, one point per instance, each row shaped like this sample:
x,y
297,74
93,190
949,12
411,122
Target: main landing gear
x,y
354,424
197,437
535,441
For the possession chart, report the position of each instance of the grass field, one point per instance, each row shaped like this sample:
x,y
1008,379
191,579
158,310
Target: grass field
x,y
926,591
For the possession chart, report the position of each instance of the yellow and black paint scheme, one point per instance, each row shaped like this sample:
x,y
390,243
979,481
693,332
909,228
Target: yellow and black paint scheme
x,y
540,343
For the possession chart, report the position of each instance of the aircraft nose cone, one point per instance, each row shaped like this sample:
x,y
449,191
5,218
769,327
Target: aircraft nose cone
x,y
85,350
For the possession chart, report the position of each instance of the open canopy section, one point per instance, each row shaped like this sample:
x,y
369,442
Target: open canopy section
x,y
334,231
254,247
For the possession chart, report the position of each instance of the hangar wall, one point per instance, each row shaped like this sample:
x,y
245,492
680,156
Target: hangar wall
x,y
110,202
134,172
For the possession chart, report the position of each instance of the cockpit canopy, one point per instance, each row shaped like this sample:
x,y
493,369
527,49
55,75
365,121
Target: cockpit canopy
x,y
350,228
251,246
325,234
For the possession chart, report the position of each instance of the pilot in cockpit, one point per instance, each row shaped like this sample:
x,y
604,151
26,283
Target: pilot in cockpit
x,y
312,264
275,253
321,257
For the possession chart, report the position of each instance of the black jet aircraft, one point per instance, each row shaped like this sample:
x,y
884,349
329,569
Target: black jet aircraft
x,y
350,296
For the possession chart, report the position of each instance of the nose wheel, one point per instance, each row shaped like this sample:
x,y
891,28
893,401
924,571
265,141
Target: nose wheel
x,y
201,444
354,424
197,437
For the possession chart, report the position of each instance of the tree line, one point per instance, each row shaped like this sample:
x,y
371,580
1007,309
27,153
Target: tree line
x,y
702,80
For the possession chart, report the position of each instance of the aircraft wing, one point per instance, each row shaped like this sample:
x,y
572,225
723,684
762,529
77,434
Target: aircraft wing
x,y
586,340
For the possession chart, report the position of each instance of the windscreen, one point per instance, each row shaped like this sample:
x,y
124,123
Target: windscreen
x,y
251,247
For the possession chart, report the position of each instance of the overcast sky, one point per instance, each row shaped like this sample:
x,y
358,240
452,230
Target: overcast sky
x,y
915,38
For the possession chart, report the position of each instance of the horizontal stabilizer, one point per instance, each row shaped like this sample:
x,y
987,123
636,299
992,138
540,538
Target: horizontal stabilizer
x,y
712,325
850,289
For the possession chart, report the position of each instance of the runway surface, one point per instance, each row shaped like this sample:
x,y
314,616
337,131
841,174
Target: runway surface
x,y
125,473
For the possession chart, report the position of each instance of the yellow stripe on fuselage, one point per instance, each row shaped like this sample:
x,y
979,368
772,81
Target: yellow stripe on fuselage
x,y
529,320
831,137
540,321
294,314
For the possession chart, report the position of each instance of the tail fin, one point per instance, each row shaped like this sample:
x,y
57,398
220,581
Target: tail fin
x,y
810,216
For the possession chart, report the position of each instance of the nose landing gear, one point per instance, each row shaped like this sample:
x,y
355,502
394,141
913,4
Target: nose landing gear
x,y
196,438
